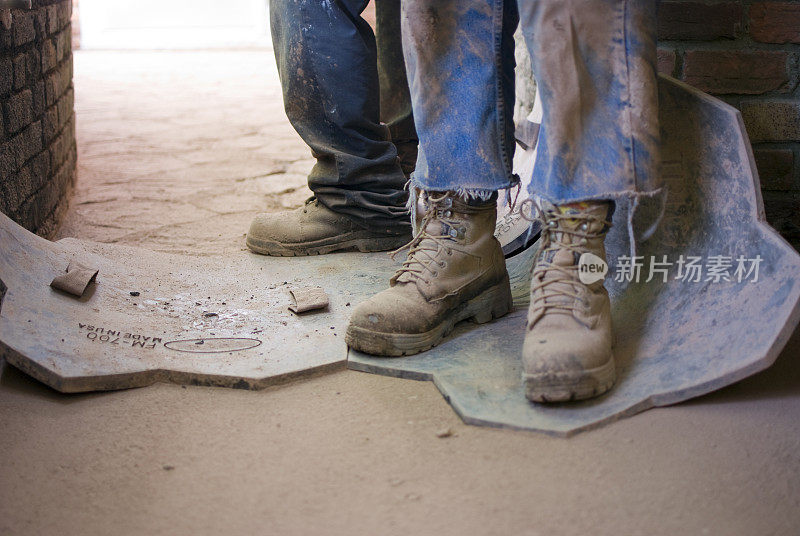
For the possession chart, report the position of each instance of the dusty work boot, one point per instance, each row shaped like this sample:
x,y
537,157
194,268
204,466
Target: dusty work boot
x,y
567,350
314,229
454,271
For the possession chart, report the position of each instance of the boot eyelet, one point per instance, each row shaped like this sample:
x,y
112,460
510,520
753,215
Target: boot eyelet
x,y
584,226
443,264
449,252
436,274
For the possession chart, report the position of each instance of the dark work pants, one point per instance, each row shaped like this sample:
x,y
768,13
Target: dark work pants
x,y
329,65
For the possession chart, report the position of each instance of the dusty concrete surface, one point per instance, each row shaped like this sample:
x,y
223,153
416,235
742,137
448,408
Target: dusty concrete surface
x,y
176,152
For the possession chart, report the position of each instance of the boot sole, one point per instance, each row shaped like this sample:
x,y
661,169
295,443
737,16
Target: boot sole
x,y
492,303
325,246
569,386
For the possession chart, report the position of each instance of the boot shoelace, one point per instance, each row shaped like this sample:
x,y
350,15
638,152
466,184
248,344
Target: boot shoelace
x,y
425,244
568,275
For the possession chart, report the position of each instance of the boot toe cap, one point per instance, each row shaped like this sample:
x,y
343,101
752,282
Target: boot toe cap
x,y
555,354
390,311
266,226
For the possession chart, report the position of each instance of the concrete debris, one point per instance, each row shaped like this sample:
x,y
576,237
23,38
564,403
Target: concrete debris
x,y
308,299
75,280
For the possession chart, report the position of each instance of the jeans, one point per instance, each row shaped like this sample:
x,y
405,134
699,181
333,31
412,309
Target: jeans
x,y
594,63
338,84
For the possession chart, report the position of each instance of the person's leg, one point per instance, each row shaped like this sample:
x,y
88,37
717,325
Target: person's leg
x,y
594,62
395,99
460,64
327,63
460,59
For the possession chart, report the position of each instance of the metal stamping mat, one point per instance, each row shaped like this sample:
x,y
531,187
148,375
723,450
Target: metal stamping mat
x,y
210,321
675,339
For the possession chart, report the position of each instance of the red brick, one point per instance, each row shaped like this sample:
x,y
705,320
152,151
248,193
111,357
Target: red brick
x,y
33,65
6,32
64,13
52,19
48,56
24,30
26,144
772,120
40,23
50,123
775,167
65,107
20,71
666,61
6,76
58,81
775,22
18,110
8,162
38,99
698,21
783,213
742,72
63,43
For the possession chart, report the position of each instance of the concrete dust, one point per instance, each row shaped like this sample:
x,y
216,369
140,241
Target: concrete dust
x,y
177,152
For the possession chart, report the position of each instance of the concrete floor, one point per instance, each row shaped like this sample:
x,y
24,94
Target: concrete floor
x,y
177,152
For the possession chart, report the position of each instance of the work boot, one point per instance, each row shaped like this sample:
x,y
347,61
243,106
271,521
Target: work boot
x,y
314,229
454,271
567,350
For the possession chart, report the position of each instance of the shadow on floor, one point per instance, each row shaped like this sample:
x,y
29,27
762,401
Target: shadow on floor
x,y
781,380
15,381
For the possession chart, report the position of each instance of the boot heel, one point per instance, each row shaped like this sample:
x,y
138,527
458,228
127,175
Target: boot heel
x,y
494,303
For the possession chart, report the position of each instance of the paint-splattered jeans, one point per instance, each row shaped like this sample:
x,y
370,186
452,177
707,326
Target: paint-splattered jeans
x,y
338,84
594,63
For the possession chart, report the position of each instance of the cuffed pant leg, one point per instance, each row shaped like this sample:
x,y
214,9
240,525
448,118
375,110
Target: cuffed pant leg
x,y
594,63
326,57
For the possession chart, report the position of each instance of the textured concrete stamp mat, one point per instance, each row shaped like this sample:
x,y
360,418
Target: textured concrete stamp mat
x,y
151,316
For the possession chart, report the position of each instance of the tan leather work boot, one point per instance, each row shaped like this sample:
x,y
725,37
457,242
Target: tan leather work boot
x,y
454,271
314,229
567,350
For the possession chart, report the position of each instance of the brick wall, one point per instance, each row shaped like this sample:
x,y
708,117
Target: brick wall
x,y
37,122
747,53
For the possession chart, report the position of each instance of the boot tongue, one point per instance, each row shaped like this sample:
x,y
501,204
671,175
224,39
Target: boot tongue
x,y
564,257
